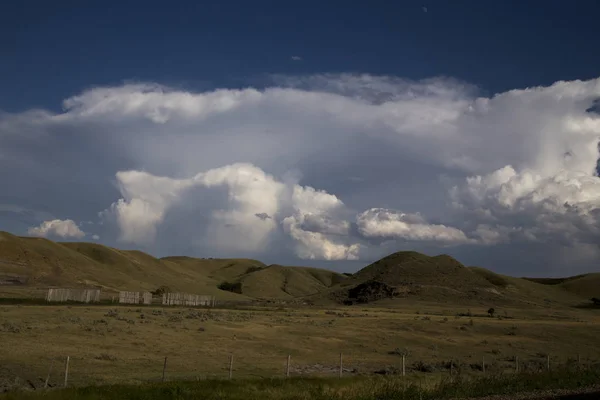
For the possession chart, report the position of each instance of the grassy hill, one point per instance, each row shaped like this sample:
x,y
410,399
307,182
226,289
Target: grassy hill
x,y
408,268
587,285
38,262
442,279
27,263
277,281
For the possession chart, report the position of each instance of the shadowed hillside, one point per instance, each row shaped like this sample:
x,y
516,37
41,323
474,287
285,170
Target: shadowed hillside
x,y
408,275
587,285
408,268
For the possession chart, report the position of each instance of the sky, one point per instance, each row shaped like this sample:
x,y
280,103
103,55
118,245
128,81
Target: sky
x,y
325,134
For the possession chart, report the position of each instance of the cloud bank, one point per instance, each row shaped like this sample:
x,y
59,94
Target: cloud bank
x,y
321,168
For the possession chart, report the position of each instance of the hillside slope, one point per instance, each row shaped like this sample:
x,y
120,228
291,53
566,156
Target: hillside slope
x,y
414,276
411,268
279,282
37,263
587,285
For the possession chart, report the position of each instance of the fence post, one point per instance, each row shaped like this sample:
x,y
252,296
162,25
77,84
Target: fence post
x,y
341,365
67,371
49,371
231,366
483,364
548,362
403,365
287,368
578,361
451,368
164,369
516,363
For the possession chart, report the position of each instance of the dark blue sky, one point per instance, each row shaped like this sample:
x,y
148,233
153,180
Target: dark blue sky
x,y
51,50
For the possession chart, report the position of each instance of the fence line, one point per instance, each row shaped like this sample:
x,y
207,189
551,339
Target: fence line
x,y
228,369
81,295
135,297
186,299
129,297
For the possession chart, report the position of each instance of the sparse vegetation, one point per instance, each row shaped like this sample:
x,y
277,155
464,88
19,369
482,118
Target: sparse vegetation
x,y
253,268
106,357
387,387
161,290
234,287
370,291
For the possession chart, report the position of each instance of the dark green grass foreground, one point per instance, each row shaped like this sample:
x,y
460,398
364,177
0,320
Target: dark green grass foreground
x,y
326,389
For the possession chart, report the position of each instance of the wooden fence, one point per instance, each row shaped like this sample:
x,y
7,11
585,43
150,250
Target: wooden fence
x,y
186,299
129,297
135,297
81,295
146,298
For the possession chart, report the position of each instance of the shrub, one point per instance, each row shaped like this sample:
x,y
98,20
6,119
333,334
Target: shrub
x,y
252,269
10,327
234,287
161,290
491,312
175,318
420,366
106,357
112,313
400,352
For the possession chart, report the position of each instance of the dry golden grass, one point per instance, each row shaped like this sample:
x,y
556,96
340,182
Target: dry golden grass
x,y
129,345
44,263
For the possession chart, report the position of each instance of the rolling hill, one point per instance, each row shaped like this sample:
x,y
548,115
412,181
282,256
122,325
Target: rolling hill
x,y
28,263
587,285
443,279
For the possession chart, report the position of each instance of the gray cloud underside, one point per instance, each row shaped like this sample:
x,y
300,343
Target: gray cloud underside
x,y
320,168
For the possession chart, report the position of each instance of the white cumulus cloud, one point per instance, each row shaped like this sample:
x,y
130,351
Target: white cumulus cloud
x,y
379,222
62,228
272,171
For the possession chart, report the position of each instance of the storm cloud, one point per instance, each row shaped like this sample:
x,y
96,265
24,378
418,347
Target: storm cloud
x,y
323,168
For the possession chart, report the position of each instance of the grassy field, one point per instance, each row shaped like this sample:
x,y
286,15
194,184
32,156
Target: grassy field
x,y
109,345
582,383
438,319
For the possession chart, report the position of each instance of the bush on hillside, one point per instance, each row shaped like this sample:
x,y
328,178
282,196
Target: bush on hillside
x,y
371,291
161,290
252,269
596,301
234,287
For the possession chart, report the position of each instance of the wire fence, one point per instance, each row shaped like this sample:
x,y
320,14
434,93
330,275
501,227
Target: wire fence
x,y
107,369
